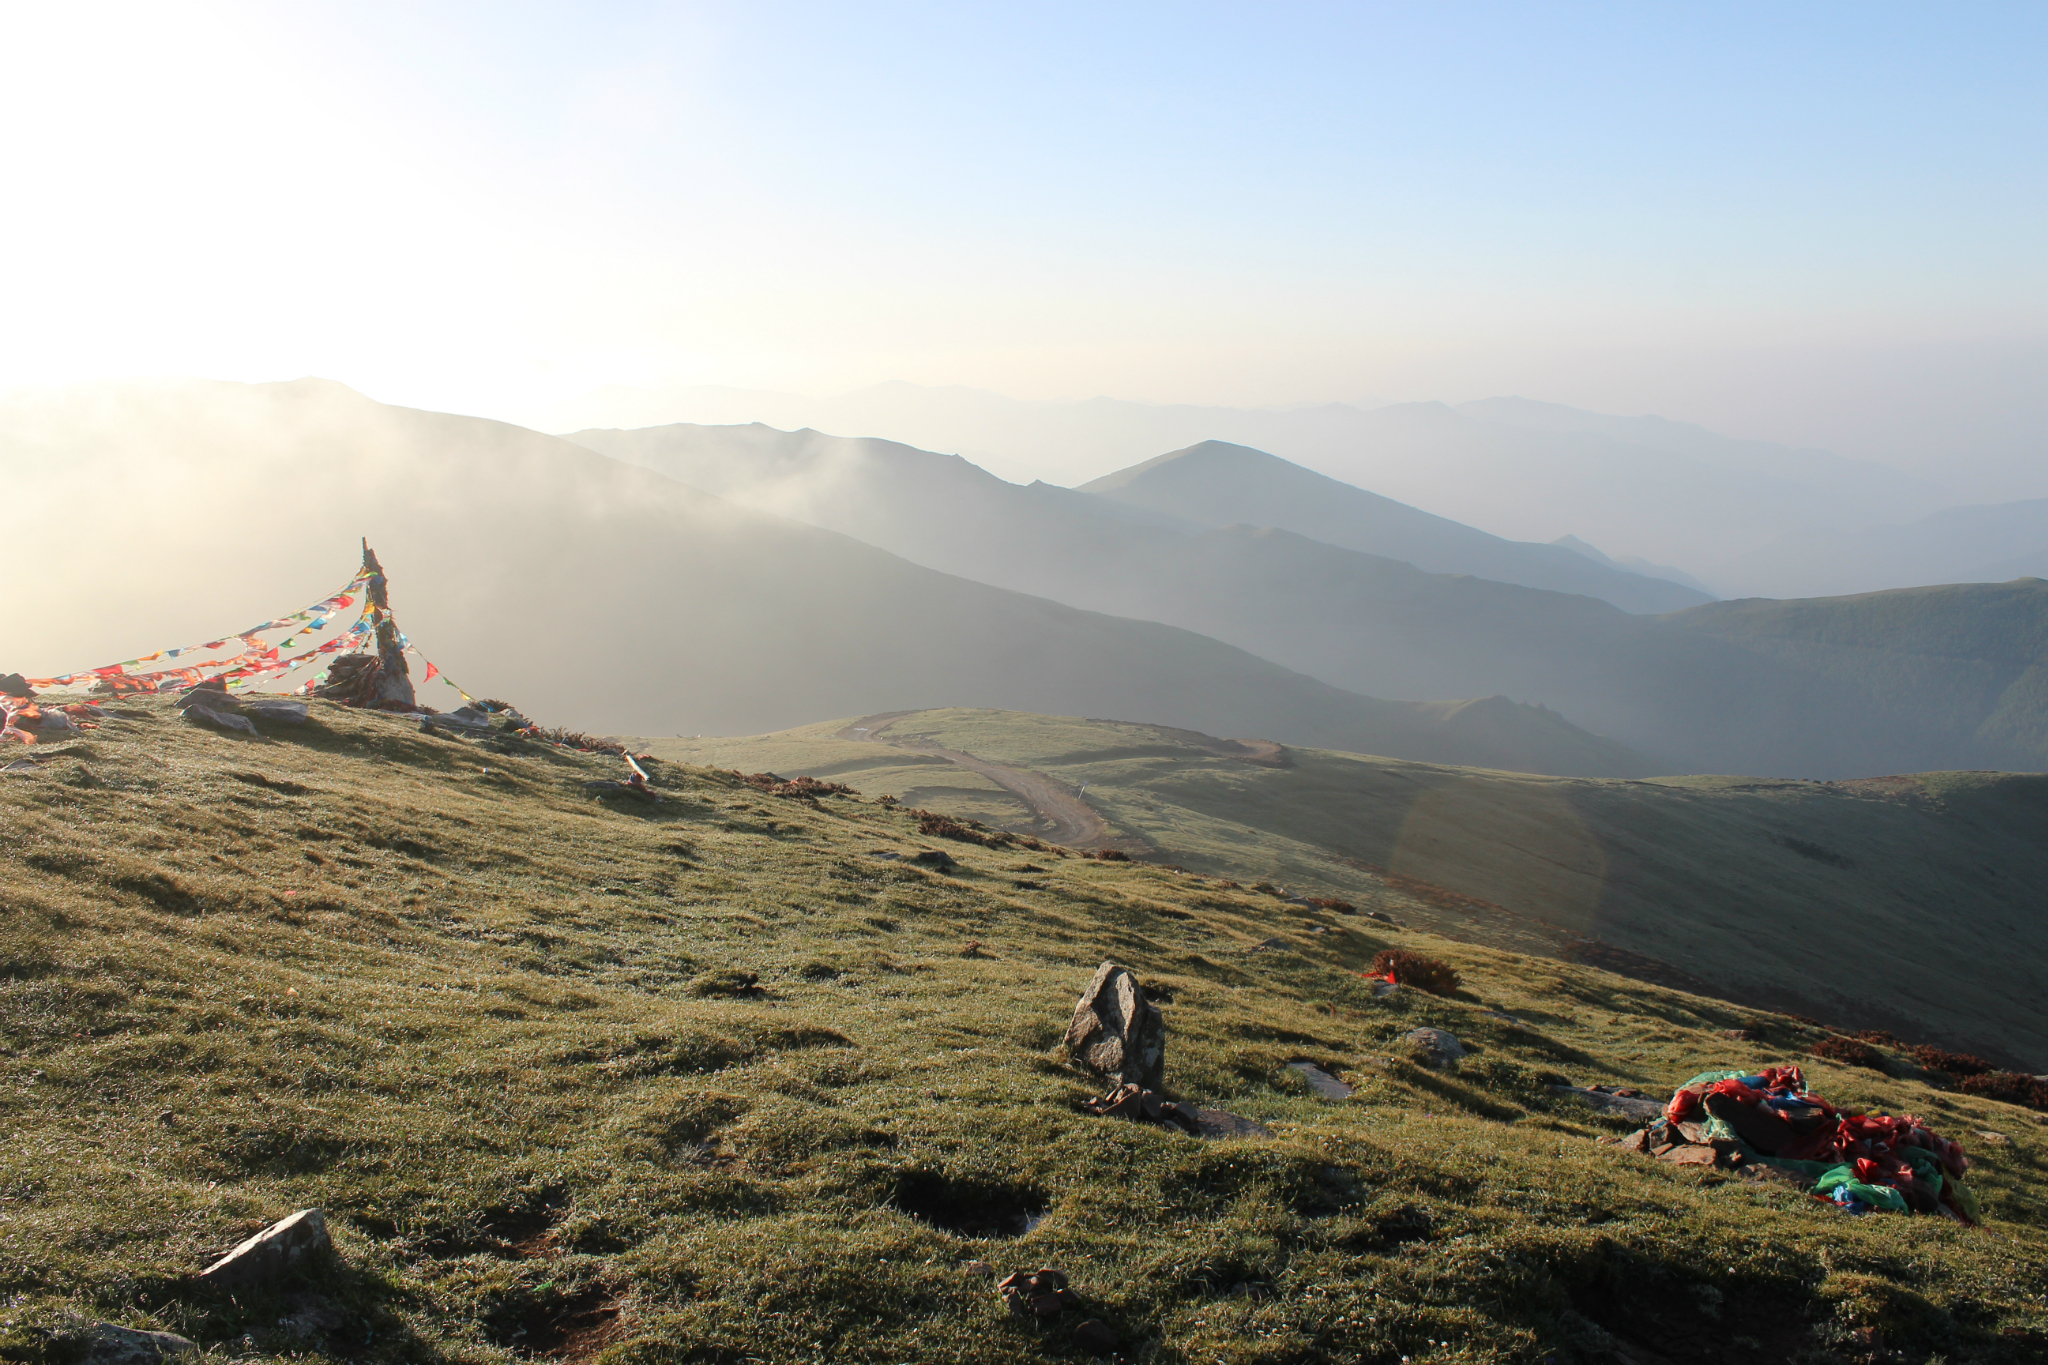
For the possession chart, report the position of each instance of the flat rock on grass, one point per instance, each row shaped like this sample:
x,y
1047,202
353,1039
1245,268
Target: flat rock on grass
x,y
1221,1123
1433,1048
1640,1108
1321,1081
218,720
113,1345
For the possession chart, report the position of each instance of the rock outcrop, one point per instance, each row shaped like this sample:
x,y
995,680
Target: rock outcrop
x,y
1117,1033
274,1253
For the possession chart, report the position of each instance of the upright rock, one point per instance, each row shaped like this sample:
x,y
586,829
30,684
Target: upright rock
x,y
273,1253
1117,1033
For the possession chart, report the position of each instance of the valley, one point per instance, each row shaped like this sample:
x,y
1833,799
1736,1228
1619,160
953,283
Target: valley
x,y
1752,890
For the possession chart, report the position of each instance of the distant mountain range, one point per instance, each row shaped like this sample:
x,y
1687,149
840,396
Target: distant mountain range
x,y
946,513
1906,681
1219,484
739,580
1740,516
601,595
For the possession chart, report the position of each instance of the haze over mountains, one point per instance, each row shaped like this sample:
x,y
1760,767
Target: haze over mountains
x,y
747,579
945,512
601,595
1219,484
1906,681
1743,517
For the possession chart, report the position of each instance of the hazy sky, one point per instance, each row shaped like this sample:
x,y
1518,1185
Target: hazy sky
x,y
1822,225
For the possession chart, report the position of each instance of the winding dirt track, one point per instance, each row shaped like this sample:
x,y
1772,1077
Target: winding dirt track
x,y
1074,822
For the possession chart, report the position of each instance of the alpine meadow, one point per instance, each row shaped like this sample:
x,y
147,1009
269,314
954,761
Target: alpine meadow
x,y
798,685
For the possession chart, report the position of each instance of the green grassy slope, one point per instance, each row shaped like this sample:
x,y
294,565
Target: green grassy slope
x,y
1908,904
1965,666
484,1018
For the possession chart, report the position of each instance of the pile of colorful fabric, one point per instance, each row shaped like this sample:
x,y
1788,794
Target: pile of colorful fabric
x,y
1769,1119
23,719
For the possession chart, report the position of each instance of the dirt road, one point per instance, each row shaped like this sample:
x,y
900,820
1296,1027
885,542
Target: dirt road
x,y
1074,822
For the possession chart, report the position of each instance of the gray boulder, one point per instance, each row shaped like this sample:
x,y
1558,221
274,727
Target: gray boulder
x,y
1321,1081
112,1345
274,1253
1117,1033
277,708
1433,1048
200,714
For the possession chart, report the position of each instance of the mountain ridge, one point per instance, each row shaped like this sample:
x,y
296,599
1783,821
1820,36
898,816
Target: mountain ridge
x,y
598,593
1220,483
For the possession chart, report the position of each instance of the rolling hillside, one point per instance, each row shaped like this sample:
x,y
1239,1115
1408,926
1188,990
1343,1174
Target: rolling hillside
x,y
734,1077
596,593
1909,904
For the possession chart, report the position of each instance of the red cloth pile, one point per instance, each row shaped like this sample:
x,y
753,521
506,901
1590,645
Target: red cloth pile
x,y
1775,1115
25,718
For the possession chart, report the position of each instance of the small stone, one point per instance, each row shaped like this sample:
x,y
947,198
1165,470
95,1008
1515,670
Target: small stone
x,y
1217,1124
1041,1293
273,1253
112,1345
1382,988
1096,1337
1690,1154
1321,1081
1994,1139
982,1268
1116,1032
1433,1048
167,1118
933,857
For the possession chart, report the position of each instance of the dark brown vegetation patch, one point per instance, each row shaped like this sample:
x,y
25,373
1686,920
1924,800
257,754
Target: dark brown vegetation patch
x,y
574,739
2013,1087
1416,970
806,789
933,825
1954,1063
1849,1052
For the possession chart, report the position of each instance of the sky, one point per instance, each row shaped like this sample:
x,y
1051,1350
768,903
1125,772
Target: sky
x,y
1821,224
